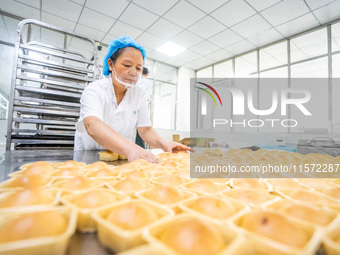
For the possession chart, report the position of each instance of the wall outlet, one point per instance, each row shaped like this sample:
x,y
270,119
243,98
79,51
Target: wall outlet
x,y
281,141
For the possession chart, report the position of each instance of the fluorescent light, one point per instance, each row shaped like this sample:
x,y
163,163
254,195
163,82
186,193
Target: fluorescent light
x,y
170,49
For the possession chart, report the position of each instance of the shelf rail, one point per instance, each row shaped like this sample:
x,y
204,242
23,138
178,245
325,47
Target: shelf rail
x,y
51,68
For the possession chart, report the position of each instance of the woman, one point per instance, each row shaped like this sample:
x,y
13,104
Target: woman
x,y
113,107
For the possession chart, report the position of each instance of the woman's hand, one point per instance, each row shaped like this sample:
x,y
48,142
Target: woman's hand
x,y
173,147
140,153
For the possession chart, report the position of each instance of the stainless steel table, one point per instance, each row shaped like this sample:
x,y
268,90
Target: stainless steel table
x,y
10,161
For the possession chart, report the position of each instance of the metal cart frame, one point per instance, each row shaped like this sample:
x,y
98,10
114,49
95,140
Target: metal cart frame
x,y
46,86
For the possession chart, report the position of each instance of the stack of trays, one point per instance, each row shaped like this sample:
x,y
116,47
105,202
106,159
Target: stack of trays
x,y
142,208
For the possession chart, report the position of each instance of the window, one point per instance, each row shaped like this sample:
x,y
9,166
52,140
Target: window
x,y
309,45
275,73
3,107
224,70
164,105
311,69
272,56
336,37
336,94
308,59
318,121
151,65
240,121
336,66
6,62
336,106
267,86
164,79
165,73
204,73
246,65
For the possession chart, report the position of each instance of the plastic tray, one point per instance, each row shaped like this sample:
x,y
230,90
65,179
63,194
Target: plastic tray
x,y
145,249
25,166
278,183
70,163
52,245
91,184
200,187
96,166
103,173
331,215
24,172
85,222
317,184
135,174
53,192
118,239
315,198
68,172
140,185
159,170
25,181
265,196
186,207
144,195
309,248
231,238
245,183
332,247
171,180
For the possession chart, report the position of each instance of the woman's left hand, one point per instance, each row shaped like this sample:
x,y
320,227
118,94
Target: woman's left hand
x,y
174,147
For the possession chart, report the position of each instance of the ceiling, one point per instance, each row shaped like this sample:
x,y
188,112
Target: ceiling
x,y
210,30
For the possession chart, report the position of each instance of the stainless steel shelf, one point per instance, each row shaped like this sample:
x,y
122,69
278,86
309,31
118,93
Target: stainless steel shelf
x,y
48,93
47,132
47,83
47,101
53,53
69,84
53,64
49,72
32,141
44,111
44,121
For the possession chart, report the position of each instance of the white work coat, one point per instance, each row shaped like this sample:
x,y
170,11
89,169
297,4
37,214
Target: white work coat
x,y
99,100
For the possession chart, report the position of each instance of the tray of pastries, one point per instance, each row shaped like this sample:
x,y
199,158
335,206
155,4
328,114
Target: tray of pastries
x,y
144,208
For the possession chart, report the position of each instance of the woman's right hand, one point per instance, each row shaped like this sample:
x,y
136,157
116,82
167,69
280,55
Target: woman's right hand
x,y
140,153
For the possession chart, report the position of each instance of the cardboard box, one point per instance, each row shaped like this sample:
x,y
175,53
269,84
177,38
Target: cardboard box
x,y
199,142
176,138
204,142
188,141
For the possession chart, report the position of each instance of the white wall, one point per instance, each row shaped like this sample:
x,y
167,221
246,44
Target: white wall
x,y
182,107
3,132
167,134
183,99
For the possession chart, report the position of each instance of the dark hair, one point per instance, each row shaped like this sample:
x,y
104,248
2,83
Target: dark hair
x,y
116,55
145,71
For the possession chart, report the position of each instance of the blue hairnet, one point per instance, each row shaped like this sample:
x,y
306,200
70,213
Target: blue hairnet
x,y
115,44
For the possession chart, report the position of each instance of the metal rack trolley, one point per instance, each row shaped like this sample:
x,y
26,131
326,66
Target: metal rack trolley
x,y
47,81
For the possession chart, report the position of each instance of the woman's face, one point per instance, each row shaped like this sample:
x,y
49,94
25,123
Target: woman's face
x,y
128,66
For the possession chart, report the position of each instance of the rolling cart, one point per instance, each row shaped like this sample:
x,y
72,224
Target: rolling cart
x,y
47,81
